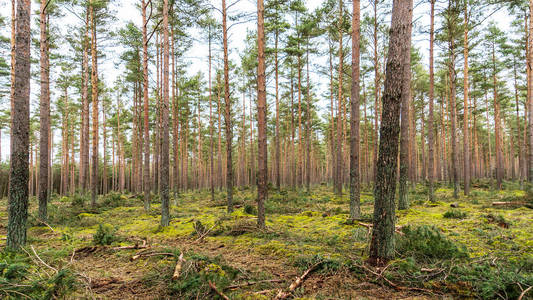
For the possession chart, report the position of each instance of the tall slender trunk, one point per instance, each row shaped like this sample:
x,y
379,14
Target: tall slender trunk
x,y
262,176
382,242
431,142
278,149
94,83
146,169
308,129
405,141
227,115
355,209
339,169
497,125
211,145
44,113
165,212
530,93
466,131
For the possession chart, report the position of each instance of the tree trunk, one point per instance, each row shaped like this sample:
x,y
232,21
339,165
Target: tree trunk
x,y
382,242
262,175
227,115
165,213
355,209
44,114
94,83
405,168
466,137
20,129
339,169
146,169
431,142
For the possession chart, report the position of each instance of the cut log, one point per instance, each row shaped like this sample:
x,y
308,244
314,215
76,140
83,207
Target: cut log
x,y
214,288
177,269
299,280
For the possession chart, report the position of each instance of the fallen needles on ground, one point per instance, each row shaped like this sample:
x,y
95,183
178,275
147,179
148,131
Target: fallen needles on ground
x,y
214,288
299,280
249,283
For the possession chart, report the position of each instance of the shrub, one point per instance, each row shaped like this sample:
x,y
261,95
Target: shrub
x,y
455,214
426,242
105,235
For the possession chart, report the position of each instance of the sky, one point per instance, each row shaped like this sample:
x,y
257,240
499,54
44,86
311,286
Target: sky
x,y
127,10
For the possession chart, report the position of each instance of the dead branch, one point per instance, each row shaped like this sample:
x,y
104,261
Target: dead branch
x,y
137,256
299,280
136,246
177,269
394,285
249,283
40,260
204,234
214,288
524,293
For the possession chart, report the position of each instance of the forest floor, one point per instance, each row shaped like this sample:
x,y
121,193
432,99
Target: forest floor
x,y
474,251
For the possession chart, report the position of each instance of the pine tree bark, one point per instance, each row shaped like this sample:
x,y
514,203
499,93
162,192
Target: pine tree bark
x,y
262,175
530,94
466,130
339,169
146,169
44,113
431,142
94,83
382,242
355,180
405,141
165,211
20,129
227,114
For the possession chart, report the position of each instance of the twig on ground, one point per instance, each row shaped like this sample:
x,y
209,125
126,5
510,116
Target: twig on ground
x,y
137,256
394,285
283,295
204,234
47,265
214,288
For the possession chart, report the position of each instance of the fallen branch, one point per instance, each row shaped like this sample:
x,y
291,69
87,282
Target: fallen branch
x,y
137,256
136,246
204,234
299,280
177,269
50,267
394,285
398,229
214,288
44,223
249,283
